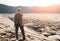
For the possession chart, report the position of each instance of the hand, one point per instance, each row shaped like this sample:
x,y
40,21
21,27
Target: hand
x,y
23,25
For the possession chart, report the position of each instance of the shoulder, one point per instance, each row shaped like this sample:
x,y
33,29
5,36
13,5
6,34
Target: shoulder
x,y
16,14
21,14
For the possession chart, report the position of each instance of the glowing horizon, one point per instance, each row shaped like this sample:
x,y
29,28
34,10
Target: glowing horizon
x,y
30,2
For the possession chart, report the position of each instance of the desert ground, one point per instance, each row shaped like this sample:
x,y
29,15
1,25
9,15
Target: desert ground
x,y
36,28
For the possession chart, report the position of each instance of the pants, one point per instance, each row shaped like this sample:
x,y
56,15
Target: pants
x,y
22,30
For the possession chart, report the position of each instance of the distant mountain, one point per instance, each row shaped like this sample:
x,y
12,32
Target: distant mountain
x,y
33,9
12,9
7,9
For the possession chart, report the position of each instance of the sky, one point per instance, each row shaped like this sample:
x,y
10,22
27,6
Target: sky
x,y
30,2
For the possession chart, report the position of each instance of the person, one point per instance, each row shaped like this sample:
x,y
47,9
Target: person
x,y
18,22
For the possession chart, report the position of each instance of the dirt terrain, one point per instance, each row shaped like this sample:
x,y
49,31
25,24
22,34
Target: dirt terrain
x,y
35,30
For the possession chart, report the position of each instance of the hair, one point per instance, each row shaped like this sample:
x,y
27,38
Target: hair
x,y
19,9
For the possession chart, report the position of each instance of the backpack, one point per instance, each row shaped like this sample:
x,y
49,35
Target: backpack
x,y
17,20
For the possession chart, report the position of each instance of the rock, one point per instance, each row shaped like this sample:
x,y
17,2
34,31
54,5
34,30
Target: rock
x,y
13,39
54,38
46,34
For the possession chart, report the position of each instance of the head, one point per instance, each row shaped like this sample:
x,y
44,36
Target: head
x,y
19,11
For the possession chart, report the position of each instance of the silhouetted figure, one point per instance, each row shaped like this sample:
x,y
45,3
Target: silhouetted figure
x,y
18,22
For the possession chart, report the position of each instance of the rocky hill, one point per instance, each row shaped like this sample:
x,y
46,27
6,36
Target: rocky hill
x,y
7,31
33,31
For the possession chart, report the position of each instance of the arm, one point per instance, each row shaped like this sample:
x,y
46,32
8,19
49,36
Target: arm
x,y
22,21
14,19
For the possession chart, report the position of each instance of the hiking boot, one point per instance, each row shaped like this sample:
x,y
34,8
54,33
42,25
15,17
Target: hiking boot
x,y
24,38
